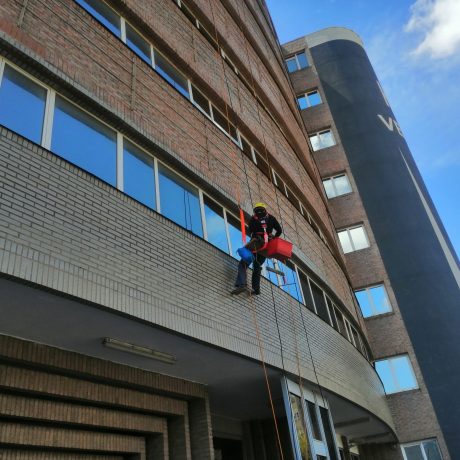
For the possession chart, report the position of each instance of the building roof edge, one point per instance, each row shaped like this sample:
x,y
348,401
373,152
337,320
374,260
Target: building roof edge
x,y
332,33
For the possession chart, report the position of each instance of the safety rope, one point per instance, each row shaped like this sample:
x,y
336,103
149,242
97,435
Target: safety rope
x,y
251,300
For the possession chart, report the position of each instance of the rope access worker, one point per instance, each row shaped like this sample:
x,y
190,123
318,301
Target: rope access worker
x,y
261,227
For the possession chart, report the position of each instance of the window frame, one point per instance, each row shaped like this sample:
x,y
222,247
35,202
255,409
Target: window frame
x,y
422,448
332,179
347,229
372,306
294,56
305,96
394,376
318,135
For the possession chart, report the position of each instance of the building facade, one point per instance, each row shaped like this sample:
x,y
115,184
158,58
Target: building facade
x,y
401,264
133,137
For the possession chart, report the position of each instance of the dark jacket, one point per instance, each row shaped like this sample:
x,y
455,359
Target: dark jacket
x,y
256,226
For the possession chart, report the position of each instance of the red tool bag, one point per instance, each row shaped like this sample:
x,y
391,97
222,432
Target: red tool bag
x,y
277,248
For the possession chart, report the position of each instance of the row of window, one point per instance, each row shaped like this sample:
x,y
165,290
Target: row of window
x,y
38,113
122,29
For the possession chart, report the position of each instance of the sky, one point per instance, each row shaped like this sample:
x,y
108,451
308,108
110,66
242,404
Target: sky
x,y
414,47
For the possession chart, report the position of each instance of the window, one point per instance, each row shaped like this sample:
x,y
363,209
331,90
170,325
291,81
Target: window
x,y
305,285
337,185
215,224
103,14
322,140
353,239
84,141
422,450
328,432
22,104
297,62
309,99
341,323
314,420
223,122
290,282
320,302
201,101
179,201
138,44
138,175
169,73
235,235
396,374
373,301
300,426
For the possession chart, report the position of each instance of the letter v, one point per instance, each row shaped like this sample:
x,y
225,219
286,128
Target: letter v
x,y
389,125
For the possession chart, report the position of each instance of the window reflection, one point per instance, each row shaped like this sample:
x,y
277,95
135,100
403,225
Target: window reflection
x,y
300,426
167,71
139,175
103,14
179,201
215,224
234,230
22,105
84,141
140,46
290,282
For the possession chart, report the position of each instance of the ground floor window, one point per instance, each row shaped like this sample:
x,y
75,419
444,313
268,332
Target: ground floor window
x,y
310,423
422,450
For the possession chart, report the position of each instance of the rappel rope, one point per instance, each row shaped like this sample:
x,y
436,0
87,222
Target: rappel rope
x,y
243,230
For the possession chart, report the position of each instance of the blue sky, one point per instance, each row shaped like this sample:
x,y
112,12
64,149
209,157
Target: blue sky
x,y
414,46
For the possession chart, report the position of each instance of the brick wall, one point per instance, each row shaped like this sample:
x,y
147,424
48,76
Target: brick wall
x,y
97,244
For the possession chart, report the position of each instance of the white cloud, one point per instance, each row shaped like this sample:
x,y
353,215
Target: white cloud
x,y
439,22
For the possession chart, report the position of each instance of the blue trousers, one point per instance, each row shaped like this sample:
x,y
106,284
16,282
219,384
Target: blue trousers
x,y
242,277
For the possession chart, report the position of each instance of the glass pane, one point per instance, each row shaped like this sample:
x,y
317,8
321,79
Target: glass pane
x,y
290,281
314,420
330,192
380,299
315,145
291,65
331,314
201,101
320,303
233,132
404,374
138,175
413,453
220,119
102,13
345,241
302,59
246,148
179,201
270,275
364,303
263,165
215,224
327,139
330,435
355,337
234,230
306,291
341,323
359,238
431,450
314,98
302,101
383,369
342,185
138,44
301,429
22,105
84,141
169,73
